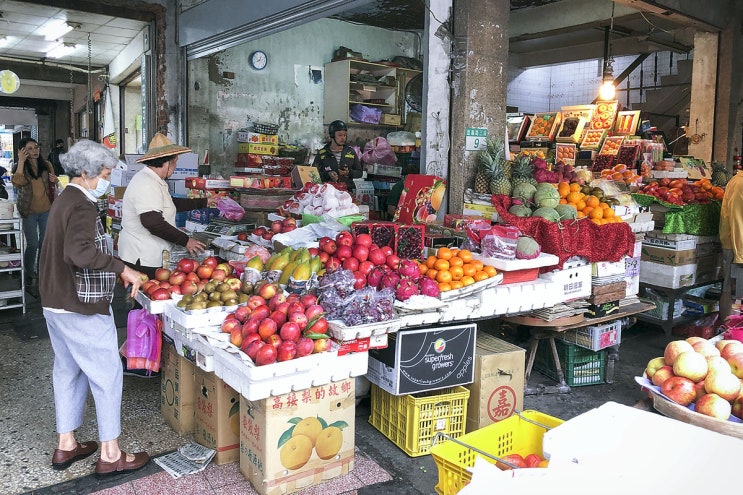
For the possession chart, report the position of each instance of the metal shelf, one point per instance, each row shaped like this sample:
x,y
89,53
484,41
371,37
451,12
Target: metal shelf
x,y
11,296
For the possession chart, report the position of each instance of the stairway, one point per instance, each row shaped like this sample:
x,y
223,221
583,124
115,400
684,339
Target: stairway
x,y
672,98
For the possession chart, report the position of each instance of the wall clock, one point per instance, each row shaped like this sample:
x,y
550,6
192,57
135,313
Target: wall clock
x,y
258,60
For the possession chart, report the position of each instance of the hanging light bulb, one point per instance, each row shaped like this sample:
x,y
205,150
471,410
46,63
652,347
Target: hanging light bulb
x,y
608,91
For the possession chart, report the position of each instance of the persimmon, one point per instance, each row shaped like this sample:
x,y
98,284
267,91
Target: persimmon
x,y
444,276
443,253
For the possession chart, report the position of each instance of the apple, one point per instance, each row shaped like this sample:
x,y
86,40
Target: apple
x,y
694,339
713,405
200,285
283,307
737,409
699,388
152,289
351,264
186,265
148,284
324,257
234,283
254,301
219,274
393,261
251,326
364,240
266,354
165,285
210,261
290,331
377,256
176,289
299,318
705,348
344,252
313,311
273,340
277,227
674,348
679,389
260,313
160,294
720,344
321,345
278,317
724,384
717,364
226,267
274,301
731,348
267,327
230,324
654,365
296,307
361,253
267,291
252,349
236,337
267,235
259,231
289,221
249,339
344,238
287,350
386,250
242,313
193,276
162,274
305,346
320,326
691,365
329,247
188,287
308,300
333,263
736,363
661,375
313,251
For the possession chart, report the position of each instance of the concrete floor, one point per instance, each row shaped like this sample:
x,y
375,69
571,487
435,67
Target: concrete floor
x,y
27,420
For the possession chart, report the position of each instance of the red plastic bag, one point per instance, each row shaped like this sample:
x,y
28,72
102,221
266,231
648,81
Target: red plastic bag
x,y
143,340
378,150
230,209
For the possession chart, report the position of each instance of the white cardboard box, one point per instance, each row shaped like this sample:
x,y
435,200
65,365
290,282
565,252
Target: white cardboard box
x,y
672,277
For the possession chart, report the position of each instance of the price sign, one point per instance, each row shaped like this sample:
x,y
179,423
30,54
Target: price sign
x,y
475,138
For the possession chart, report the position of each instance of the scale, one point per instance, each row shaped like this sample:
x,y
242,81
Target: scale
x,y
220,227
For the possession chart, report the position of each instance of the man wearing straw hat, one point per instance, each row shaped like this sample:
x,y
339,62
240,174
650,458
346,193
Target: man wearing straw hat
x,y
148,210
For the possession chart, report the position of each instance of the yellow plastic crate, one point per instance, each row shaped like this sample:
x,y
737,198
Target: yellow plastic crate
x,y
411,421
517,434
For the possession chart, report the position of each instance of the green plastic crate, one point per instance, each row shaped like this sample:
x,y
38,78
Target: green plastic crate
x,y
580,366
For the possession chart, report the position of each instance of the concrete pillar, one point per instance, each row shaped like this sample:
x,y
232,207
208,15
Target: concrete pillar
x,y
479,84
701,131
729,110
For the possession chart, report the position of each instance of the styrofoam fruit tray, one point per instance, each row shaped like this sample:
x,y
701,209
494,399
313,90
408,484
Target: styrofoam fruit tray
x,y
271,371
544,259
153,307
196,350
471,289
340,331
197,318
420,303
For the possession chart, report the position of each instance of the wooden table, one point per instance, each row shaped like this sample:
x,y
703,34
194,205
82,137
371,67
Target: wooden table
x,y
548,330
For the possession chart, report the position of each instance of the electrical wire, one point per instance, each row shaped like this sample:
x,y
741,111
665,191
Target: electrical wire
x,y
653,25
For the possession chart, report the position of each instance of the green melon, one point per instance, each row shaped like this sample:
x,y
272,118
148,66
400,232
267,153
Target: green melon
x,y
547,196
547,213
566,212
524,191
520,211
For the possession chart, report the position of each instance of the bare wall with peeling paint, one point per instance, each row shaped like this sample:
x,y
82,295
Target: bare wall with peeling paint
x,y
226,94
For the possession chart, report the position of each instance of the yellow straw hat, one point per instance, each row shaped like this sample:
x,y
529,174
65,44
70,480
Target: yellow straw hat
x,y
161,146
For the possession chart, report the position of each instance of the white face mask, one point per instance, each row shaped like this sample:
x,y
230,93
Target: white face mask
x,y
101,188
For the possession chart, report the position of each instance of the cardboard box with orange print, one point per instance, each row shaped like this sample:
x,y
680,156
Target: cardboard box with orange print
x,y
297,440
217,417
177,389
420,199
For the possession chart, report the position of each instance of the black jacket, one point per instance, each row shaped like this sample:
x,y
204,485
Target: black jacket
x,y
325,162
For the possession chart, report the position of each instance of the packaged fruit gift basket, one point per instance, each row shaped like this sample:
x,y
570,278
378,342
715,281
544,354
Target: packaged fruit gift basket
x,y
515,442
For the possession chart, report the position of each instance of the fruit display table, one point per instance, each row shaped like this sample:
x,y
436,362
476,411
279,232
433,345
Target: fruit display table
x,y
548,330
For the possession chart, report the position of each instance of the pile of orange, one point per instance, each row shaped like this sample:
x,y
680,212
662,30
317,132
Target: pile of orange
x,y
455,268
588,206
714,192
621,172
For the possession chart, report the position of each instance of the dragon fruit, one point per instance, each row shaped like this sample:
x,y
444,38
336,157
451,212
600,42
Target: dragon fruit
x,y
428,287
374,279
409,268
406,289
527,248
389,280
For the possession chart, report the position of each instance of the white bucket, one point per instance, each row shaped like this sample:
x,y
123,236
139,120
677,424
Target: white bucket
x,y
6,209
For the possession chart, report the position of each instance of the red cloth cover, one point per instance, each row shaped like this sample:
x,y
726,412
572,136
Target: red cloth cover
x,y
572,237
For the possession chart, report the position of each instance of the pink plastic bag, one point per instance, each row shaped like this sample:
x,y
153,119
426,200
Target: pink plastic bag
x,y
143,340
378,150
230,209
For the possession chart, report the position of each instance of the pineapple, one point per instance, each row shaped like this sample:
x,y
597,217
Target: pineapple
x,y
500,182
720,174
484,172
522,171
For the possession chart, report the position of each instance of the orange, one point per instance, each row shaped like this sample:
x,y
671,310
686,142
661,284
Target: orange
x,y
581,214
444,287
465,254
456,284
563,189
431,273
587,210
580,205
490,270
457,272
443,276
603,205
441,265
443,253
574,197
543,464
477,264
609,212
456,261
454,251
431,261
469,269
592,201
563,201
574,187
596,214
423,268
481,275
467,280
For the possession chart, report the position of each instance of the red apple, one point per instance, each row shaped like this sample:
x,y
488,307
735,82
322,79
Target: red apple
x,y
350,264
289,221
313,251
724,384
736,363
293,297
700,390
200,285
705,348
674,348
151,289
204,271
254,301
344,252
274,301
654,365
320,326
720,344
364,240
290,331
266,354
260,313
386,250
162,274
730,349
330,247
305,347
287,350
267,291
713,405
295,307
321,345
662,374
377,256
259,231
267,327
679,389
273,340
160,294
393,261
234,283
333,263
361,253
165,285
226,267
186,265
694,339
236,337
242,313
149,283
277,227
691,365
313,311
344,238
267,235
252,349
283,307
737,409
176,289
249,339
188,287
299,318
251,326
278,317
230,324
219,274
210,261
366,266
308,300
323,257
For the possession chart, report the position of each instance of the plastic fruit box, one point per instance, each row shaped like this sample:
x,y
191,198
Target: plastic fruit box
x,y
411,241
411,421
340,331
521,434
519,270
382,233
518,297
595,337
197,318
197,350
579,366
572,282
153,307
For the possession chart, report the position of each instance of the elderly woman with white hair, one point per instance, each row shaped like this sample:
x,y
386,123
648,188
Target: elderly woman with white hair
x,y
76,284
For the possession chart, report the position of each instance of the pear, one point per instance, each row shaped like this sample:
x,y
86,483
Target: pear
x,y
280,262
255,263
287,272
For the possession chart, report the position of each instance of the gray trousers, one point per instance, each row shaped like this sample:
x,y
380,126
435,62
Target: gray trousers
x,y
86,357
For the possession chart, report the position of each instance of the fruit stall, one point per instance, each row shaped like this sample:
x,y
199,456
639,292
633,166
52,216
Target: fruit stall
x,y
302,304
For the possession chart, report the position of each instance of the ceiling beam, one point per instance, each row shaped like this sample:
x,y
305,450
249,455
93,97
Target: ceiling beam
x,y
564,16
42,72
136,10
710,15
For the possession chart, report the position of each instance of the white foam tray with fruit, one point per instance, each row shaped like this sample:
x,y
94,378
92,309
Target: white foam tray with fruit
x,y
153,307
197,318
544,259
340,331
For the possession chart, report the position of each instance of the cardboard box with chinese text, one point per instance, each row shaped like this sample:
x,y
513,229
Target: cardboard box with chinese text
x,y
177,390
217,417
